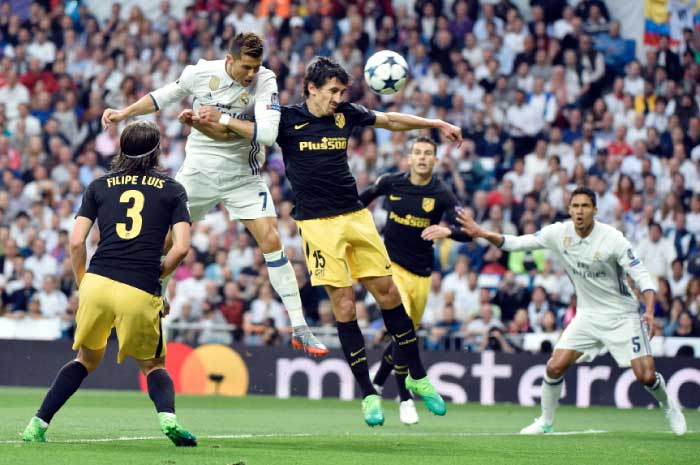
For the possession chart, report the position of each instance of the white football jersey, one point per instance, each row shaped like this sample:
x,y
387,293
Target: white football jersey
x,y
597,265
209,84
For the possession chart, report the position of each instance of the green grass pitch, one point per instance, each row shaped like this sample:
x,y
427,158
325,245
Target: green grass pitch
x,y
107,427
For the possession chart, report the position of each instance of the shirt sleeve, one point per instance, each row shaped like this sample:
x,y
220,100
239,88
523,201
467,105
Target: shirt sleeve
x,y
88,208
632,265
180,211
267,111
175,91
545,238
357,115
380,187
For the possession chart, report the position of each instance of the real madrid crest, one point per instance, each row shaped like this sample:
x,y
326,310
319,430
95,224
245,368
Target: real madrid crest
x,y
245,98
597,256
567,241
214,83
339,120
428,204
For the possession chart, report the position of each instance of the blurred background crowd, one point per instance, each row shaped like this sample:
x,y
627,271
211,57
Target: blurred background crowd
x,y
549,98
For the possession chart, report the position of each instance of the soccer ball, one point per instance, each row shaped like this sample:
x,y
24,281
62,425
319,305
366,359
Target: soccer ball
x,y
386,72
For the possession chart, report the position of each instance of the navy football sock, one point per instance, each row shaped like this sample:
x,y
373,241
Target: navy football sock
x,y
353,343
67,381
161,390
401,329
386,365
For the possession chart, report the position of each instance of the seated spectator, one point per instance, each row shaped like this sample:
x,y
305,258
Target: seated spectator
x,y
612,46
211,322
686,327
479,329
441,332
19,299
538,307
520,324
53,302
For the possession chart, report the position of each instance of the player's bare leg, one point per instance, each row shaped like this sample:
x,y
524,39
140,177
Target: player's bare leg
x,y
162,393
284,281
353,344
552,383
66,383
645,372
402,331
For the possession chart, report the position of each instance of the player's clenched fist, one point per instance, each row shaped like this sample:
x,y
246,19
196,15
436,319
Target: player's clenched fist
x,y
111,115
186,117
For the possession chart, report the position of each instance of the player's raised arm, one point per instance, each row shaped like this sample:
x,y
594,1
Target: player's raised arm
x,y
154,101
394,121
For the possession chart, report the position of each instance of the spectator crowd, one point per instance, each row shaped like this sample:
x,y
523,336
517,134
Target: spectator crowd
x,y
548,98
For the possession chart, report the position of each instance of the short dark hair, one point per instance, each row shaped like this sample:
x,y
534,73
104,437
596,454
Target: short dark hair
x,y
139,148
320,70
425,140
582,190
246,43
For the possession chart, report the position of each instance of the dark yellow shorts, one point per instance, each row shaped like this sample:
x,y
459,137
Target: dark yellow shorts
x,y
414,291
136,315
341,248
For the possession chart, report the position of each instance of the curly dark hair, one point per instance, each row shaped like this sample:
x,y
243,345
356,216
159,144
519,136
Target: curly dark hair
x,y
320,70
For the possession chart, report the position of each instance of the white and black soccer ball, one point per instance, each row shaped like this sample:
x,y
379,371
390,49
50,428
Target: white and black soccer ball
x,y
386,72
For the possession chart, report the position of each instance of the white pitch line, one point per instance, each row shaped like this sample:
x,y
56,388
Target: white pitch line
x,y
299,435
377,433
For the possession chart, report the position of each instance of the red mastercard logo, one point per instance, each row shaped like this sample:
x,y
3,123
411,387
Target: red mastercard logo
x,y
208,369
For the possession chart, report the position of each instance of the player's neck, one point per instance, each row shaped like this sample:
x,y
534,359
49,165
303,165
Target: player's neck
x,y
418,180
585,231
314,109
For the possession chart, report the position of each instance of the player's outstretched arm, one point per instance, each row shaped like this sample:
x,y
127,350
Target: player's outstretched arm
x,y
142,106
545,238
181,245
404,122
471,228
78,251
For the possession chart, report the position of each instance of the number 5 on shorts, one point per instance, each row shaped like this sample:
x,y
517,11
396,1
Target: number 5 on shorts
x,y
264,196
636,346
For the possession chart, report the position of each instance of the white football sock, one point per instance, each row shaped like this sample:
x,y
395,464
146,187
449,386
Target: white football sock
x,y
658,390
551,390
284,281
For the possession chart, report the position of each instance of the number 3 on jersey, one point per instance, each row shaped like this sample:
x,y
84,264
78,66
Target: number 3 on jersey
x,y
133,212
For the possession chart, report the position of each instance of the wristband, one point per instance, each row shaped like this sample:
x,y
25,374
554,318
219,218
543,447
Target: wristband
x,y
224,119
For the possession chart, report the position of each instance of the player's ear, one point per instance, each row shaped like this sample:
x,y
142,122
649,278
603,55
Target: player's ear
x,y
312,88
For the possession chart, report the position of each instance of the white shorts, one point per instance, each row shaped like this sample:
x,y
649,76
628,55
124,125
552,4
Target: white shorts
x,y
245,197
626,339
